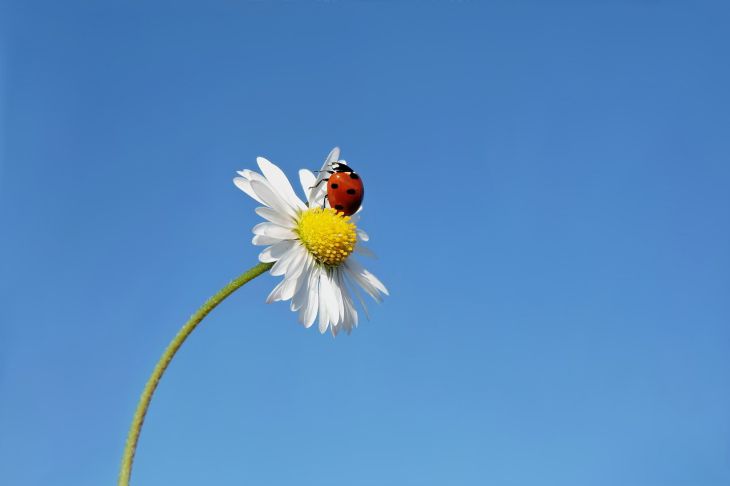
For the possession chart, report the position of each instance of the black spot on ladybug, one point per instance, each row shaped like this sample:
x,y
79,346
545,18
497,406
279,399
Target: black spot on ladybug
x,y
335,185
351,191
354,176
339,207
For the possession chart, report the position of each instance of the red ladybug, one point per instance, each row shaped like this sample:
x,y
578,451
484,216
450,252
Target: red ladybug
x,y
344,189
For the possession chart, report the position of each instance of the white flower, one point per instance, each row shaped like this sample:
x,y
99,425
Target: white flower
x,y
311,246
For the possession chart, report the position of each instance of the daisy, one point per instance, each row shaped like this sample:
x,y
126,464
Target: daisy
x,y
311,246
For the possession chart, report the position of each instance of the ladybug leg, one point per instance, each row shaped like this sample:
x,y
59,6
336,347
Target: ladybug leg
x,y
324,201
320,182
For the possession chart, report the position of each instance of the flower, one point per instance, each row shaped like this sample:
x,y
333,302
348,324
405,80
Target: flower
x,y
311,245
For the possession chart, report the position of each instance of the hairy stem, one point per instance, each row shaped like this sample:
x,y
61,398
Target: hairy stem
x,y
162,364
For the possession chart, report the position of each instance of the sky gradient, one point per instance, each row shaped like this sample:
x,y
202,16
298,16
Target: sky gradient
x,y
546,188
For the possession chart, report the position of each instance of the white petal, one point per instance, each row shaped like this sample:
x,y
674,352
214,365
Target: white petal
x,y
350,314
328,308
353,287
362,235
275,294
302,293
309,313
264,240
350,318
288,286
317,194
271,198
274,230
333,311
330,298
287,292
250,174
365,284
245,186
274,252
373,284
298,263
323,302
253,176
287,260
307,180
316,198
282,219
279,182
279,267
337,291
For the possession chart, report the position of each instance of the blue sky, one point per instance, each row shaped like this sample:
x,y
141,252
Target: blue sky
x,y
547,190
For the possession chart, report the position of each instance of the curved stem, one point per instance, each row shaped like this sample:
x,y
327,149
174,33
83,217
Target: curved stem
x,y
161,366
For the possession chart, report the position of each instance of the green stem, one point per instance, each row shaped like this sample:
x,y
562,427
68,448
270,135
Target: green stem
x,y
172,348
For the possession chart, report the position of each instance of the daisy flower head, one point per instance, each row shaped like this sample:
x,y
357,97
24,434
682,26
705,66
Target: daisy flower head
x,y
311,246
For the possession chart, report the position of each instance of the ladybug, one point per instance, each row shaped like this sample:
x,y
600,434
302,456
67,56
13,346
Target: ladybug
x,y
344,189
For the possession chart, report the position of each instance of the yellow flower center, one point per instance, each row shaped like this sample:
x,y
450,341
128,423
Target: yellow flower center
x,y
328,235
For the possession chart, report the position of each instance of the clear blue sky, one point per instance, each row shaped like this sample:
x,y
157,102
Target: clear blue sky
x,y
547,189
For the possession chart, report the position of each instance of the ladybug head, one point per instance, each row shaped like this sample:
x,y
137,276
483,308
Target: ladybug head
x,y
339,167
